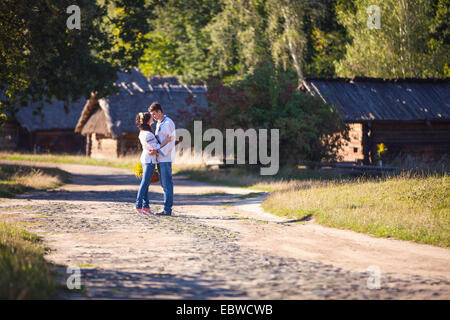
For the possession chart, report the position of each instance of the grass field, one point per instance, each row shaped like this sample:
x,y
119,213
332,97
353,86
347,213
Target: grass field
x,y
413,208
17,179
123,162
24,273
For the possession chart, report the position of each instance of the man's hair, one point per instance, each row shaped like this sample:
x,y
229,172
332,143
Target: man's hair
x,y
154,107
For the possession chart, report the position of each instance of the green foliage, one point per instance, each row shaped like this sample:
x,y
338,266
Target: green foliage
x,y
24,273
326,43
177,43
3,119
410,43
268,98
41,58
201,39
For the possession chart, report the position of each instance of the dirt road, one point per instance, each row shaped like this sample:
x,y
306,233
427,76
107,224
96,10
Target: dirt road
x,y
218,245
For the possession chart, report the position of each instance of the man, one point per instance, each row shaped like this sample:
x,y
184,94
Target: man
x,y
165,155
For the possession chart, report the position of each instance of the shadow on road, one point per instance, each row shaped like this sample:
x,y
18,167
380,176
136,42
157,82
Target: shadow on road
x,y
124,196
108,284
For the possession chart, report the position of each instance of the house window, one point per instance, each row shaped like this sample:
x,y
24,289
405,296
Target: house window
x,y
355,150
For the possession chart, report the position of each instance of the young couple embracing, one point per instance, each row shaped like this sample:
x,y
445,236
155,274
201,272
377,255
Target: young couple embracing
x,y
158,150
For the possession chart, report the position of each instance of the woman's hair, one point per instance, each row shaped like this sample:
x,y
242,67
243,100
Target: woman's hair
x,y
142,119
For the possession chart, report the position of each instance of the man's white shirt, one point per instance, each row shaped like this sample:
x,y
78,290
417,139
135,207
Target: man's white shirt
x,y
164,129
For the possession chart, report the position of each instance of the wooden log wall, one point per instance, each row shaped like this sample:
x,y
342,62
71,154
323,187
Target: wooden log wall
x,y
103,147
9,136
353,151
428,140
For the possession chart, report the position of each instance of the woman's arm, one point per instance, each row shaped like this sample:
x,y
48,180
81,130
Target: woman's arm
x,y
149,142
157,146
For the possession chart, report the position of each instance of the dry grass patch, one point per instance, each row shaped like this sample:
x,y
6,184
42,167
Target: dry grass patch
x,y
16,179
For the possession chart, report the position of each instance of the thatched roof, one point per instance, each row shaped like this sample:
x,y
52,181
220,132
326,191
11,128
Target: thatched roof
x,y
371,99
56,115
136,93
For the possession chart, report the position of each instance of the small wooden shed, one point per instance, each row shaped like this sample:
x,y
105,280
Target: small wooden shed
x,y
410,116
51,130
109,123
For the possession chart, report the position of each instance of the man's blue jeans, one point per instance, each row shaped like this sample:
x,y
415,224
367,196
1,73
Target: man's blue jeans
x,y
142,196
165,176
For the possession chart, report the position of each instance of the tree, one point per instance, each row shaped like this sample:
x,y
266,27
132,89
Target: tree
x,y
404,45
286,30
177,43
248,32
238,39
326,42
41,58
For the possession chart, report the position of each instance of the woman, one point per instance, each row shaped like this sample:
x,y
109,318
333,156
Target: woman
x,y
149,142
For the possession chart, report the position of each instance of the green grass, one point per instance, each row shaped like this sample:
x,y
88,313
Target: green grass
x,y
124,162
414,208
16,179
24,273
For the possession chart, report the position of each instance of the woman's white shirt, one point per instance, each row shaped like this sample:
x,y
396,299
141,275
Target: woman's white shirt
x,y
148,141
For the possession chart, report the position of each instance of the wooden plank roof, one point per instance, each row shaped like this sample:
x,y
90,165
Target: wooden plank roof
x,y
371,99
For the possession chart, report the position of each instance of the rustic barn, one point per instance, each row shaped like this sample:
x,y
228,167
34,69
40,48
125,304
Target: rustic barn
x,y
109,123
410,116
51,130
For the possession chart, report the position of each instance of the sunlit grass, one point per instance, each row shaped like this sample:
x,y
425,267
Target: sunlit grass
x,y
24,273
126,162
414,208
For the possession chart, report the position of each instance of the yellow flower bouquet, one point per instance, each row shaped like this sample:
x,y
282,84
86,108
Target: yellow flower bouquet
x,y
138,170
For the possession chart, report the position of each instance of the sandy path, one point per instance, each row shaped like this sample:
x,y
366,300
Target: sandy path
x,y
215,246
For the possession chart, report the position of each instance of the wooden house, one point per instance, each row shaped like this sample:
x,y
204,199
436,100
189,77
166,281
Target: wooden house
x,y
109,123
410,116
51,130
